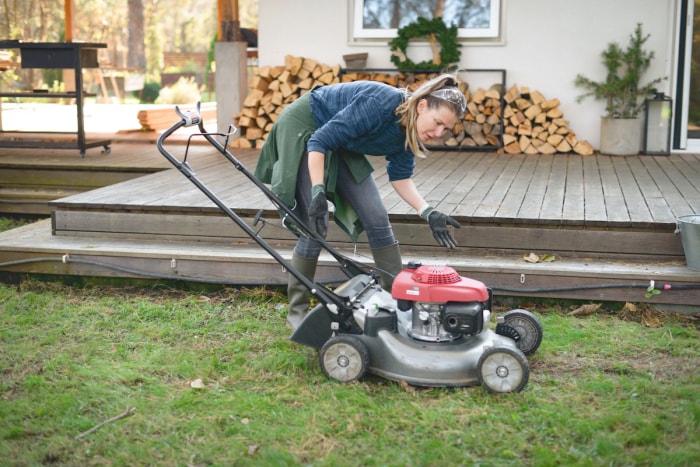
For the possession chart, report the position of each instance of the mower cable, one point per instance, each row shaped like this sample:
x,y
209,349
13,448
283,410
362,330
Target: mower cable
x,y
67,259
599,286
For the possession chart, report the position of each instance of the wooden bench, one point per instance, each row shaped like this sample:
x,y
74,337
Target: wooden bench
x,y
185,59
158,119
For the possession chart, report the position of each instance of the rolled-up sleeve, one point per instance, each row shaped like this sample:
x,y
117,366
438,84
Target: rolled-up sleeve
x,y
400,166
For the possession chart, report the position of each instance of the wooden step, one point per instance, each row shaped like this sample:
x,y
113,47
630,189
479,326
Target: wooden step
x,y
185,225
25,199
84,179
35,250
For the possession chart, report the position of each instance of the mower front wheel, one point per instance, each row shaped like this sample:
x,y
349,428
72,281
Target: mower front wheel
x,y
502,370
344,358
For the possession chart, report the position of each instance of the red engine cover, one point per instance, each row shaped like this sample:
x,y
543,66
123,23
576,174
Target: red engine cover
x,y
437,284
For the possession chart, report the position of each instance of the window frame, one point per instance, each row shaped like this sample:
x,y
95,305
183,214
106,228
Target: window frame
x,y
362,33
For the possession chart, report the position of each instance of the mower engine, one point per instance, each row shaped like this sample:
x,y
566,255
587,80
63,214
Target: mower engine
x,y
444,305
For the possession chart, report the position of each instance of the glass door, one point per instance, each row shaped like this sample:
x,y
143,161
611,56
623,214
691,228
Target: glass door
x,y
686,125
694,101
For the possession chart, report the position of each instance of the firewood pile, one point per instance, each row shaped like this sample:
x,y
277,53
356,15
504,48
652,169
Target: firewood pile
x,y
535,125
271,89
531,123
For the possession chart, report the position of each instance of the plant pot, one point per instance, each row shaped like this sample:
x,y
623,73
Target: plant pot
x,y
620,136
356,60
689,228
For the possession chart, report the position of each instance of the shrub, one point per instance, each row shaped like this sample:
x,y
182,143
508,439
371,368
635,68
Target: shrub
x,y
150,92
185,91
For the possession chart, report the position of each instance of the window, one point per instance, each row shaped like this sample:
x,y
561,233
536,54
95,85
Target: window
x,y
375,19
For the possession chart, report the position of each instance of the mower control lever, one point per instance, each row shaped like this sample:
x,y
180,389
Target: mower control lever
x,y
190,117
258,217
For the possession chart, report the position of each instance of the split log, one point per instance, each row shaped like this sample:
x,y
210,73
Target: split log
x,y
159,119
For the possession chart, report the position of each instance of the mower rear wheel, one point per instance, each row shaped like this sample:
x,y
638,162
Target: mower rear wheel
x,y
344,358
502,370
529,328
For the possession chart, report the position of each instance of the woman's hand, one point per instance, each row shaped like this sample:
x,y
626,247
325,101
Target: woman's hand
x,y
438,225
436,220
318,211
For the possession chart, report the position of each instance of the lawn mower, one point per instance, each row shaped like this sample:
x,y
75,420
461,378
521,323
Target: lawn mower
x,y
431,329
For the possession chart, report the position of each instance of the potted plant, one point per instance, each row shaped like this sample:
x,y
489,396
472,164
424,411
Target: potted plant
x,y
621,129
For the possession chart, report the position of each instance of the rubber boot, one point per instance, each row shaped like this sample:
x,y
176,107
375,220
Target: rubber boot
x,y
298,295
387,261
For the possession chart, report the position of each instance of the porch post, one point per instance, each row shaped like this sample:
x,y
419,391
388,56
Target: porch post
x,y
231,81
231,58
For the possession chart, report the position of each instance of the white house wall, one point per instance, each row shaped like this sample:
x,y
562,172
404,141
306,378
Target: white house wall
x,y
545,43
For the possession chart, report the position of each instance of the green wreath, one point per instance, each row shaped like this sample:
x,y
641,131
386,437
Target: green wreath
x,y
446,37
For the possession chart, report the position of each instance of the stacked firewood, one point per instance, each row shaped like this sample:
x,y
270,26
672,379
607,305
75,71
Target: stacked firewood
x,y
271,89
527,123
535,125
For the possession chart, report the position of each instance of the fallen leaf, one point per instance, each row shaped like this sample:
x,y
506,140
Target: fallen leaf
x,y
650,319
407,387
197,384
252,449
585,310
532,258
548,258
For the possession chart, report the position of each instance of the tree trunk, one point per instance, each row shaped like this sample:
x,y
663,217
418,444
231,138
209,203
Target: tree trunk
x,y
137,49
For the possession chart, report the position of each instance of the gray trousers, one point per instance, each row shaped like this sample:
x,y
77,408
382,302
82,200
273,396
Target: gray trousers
x,y
363,197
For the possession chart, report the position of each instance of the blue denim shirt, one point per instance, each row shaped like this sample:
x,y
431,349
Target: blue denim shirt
x,y
359,117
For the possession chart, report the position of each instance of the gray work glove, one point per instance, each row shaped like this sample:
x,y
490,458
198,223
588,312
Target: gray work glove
x,y
438,225
318,211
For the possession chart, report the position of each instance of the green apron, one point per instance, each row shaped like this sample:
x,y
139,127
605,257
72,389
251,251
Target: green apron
x,y
281,155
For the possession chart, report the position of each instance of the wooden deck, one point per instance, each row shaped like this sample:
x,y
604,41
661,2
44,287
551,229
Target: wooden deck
x,y
609,221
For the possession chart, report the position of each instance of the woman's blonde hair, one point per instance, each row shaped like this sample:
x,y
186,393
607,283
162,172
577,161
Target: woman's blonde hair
x,y
408,110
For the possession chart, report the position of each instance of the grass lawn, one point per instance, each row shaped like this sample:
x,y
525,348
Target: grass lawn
x,y
183,378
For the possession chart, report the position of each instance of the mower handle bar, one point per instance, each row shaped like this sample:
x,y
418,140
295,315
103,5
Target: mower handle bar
x,y
350,267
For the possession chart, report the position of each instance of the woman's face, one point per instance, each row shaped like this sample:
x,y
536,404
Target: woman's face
x,y
433,122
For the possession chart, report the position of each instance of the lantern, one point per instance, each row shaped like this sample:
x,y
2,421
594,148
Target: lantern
x,y
657,125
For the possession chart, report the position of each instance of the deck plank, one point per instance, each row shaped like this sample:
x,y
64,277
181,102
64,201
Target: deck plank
x,y
513,199
634,199
653,197
553,202
532,203
481,180
614,199
494,198
463,180
594,198
439,185
573,210
677,203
